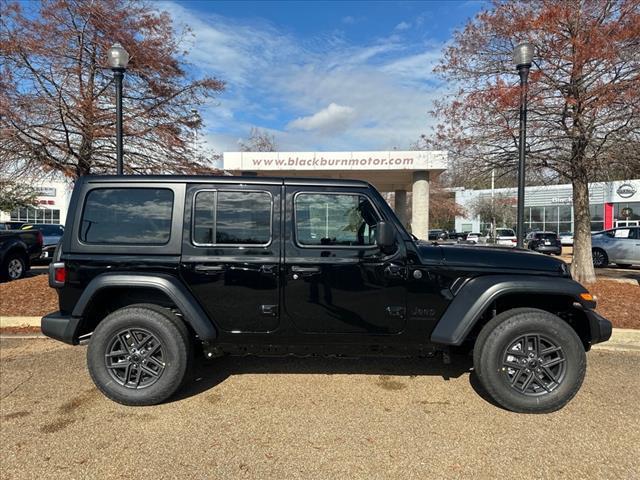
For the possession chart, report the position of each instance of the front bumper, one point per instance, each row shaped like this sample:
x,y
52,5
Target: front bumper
x,y
599,326
61,327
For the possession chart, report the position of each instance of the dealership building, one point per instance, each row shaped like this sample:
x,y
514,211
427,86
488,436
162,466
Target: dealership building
x,y
52,203
550,208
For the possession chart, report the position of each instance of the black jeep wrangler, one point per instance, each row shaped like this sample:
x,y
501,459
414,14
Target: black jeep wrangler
x,y
153,268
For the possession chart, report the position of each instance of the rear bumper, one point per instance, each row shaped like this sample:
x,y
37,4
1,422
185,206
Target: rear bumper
x,y
599,326
60,327
548,249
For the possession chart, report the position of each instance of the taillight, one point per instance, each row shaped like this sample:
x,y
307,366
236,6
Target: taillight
x,y
58,274
513,240
39,238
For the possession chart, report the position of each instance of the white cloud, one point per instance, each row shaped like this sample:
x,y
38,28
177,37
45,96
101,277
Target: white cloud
x,y
330,119
320,93
403,26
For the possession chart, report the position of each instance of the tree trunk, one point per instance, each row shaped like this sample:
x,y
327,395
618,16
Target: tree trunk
x,y
582,265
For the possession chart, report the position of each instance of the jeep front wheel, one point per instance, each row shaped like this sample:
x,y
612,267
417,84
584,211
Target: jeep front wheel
x,y
529,360
139,355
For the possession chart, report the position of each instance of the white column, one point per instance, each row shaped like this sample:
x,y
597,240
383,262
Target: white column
x,y
400,205
420,205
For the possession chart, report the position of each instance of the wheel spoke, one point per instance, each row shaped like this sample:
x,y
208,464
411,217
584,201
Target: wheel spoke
x,y
118,353
155,361
149,371
553,362
527,382
124,364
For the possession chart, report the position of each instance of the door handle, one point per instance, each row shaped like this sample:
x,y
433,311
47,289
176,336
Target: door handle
x,y
208,268
305,269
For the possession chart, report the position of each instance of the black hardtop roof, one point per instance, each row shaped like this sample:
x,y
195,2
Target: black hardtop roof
x,y
247,180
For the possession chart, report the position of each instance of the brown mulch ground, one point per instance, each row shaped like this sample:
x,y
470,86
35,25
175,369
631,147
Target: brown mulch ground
x,y
619,302
32,297
29,297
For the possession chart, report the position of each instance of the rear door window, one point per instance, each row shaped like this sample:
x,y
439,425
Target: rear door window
x,y
136,216
223,217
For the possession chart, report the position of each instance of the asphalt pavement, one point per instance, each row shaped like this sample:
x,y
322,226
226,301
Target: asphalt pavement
x,y
309,418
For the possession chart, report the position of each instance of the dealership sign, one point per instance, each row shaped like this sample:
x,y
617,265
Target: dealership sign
x,y
385,160
626,190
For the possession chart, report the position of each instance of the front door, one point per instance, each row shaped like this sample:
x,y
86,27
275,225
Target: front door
x,y
231,254
337,279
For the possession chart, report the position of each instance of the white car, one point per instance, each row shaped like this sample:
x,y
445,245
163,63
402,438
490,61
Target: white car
x,y
506,236
473,237
566,238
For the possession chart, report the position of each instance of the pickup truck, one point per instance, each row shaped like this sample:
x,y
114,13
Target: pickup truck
x,y
151,269
18,249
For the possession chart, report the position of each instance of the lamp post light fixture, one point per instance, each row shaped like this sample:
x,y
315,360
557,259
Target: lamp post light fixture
x,y
118,59
522,58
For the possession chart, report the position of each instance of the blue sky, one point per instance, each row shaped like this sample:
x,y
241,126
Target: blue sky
x,y
320,75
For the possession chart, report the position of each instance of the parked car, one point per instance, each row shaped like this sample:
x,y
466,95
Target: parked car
x,y
473,237
566,238
438,234
618,245
52,233
18,249
11,225
152,268
544,242
505,236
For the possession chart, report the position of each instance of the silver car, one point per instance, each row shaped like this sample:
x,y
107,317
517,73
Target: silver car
x,y
619,245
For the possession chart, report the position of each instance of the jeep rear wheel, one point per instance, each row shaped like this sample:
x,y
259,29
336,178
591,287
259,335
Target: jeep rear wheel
x,y
529,360
139,355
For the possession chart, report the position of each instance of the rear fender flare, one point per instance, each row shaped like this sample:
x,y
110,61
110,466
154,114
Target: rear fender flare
x,y
193,313
478,293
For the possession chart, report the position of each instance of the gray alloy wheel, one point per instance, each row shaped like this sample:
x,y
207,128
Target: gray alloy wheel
x,y
15,268
599,257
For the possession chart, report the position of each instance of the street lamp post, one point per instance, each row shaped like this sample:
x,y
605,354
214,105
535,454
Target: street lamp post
x,y
118,60
522,57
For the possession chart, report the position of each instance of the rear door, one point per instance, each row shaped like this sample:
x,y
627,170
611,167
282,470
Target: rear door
x,y
231,254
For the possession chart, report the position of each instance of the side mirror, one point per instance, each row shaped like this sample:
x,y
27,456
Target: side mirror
x,y
386,237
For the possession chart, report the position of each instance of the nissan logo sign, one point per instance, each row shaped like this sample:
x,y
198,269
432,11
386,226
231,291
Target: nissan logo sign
x,y
626,190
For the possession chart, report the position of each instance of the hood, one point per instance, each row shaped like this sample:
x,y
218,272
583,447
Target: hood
x,y
496,258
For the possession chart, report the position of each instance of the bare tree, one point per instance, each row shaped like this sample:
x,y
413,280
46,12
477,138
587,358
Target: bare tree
x,y
57,108
258,141
14,195
584,115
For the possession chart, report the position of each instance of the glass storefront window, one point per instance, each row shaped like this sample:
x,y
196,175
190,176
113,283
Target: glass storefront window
x,y
536,214
35,215
619,207
565,214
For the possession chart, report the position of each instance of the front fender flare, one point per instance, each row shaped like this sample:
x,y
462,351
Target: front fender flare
x,y
478,294
170,286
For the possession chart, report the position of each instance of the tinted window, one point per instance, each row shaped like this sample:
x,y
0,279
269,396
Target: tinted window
x,y
325,219
505,232
127,215
232,218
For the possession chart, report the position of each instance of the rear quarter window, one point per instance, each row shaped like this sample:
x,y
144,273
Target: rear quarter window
x,y
137,216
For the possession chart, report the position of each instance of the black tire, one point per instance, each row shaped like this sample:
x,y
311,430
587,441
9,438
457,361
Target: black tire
x,y
623,265
14,267
148,327
528,388
600,258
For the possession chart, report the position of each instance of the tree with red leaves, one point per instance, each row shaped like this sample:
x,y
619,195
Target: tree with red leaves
x,y
584,107
57,106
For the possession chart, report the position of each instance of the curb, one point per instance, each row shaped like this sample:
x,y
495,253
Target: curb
x,y
19,321
622,339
